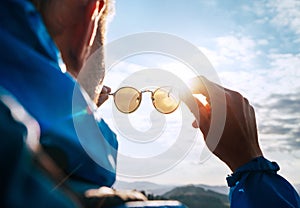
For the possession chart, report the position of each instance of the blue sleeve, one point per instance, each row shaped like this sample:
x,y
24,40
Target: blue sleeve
x,y
257,185
22,182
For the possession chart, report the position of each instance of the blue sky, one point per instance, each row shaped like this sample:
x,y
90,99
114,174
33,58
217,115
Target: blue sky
x,y
254,48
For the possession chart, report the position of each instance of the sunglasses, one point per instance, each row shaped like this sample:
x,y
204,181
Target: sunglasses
x,y
164,99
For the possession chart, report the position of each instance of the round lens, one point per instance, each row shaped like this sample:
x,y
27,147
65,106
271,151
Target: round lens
x,y
165,100
127,99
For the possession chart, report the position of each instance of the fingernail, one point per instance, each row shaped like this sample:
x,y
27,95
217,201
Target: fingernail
x,y
195,124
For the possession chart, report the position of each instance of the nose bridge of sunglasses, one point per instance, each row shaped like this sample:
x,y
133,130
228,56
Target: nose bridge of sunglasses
x,y
147,90
142,91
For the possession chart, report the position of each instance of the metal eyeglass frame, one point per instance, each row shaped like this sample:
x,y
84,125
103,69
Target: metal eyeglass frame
x,y
140,98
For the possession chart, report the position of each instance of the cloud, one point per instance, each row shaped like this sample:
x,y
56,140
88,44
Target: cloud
x,y
285,61
274,90
282,15
239,47
263,42
286,14
232,52
280,121
272,85
278,73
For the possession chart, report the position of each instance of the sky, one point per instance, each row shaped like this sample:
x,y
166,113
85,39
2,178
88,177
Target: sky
x,y
253,47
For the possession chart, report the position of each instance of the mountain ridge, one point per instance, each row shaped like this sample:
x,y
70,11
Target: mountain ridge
x,y
160,189
195,197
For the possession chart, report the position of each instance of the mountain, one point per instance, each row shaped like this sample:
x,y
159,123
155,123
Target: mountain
x,y
148,187
219,189
191,195
197,197
160,189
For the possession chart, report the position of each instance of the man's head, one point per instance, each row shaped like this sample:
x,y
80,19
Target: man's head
x,y
73,25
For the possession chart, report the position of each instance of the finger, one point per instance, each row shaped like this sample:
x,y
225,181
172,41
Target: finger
x,y
102,99
238,104
252,124
199,111
100,192
246,115
203,121
105,90
213,92
198,86
195,124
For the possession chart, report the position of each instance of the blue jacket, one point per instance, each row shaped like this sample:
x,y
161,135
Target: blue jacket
x,y
23,183
257,185
29,69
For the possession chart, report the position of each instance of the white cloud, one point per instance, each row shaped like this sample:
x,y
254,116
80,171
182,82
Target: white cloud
x,y
285,70
278,127
232,53
262,42
282,76
282,14
286,13
257,7
241,49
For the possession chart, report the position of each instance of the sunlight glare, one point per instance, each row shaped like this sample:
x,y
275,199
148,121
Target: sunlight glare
x,y
201,98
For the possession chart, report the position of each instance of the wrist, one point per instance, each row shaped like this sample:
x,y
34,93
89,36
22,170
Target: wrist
x,y
238,162
258,164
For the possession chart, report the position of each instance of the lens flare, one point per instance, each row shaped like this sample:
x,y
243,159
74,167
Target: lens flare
x,y
201,98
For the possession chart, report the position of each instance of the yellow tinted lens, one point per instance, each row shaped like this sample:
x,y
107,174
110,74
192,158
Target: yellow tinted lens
x,y
127,99
165,100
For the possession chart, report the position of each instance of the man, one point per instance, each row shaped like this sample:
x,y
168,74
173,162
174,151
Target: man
x,y
31,49
30,71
